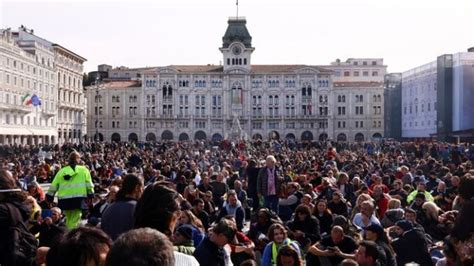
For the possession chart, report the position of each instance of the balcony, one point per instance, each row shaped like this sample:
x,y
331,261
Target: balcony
x,y
201,117
184,116
306,99
273,117
257,117
22,109
48,113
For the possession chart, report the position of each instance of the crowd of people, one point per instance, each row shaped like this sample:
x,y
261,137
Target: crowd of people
x,y
237,203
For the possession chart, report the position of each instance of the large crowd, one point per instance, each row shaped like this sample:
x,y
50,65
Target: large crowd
x,y
237,203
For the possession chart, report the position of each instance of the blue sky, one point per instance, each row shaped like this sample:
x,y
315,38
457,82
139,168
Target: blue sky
x,y
406,33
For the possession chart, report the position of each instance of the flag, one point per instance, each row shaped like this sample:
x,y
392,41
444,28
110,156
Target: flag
x,y
26,100
309,109
35,100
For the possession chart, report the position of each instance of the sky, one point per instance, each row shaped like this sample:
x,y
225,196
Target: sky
x,y
405,33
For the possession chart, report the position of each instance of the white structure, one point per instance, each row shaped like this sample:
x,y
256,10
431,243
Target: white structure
x,y
182,102
419,98
34,66
358,98
437,97
71,116
463,91
27,70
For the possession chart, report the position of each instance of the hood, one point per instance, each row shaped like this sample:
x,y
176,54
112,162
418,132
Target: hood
x,y
24,209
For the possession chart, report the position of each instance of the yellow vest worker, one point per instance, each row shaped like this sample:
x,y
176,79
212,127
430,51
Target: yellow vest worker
x,y
72,184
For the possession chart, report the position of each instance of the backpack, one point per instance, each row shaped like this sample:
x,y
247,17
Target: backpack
x,y
23,244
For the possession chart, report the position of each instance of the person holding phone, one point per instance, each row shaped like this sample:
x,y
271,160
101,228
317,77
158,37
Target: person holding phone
x,y
331,247
52,227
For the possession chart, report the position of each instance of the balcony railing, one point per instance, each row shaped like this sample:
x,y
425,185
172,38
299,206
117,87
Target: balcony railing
x,y
24,109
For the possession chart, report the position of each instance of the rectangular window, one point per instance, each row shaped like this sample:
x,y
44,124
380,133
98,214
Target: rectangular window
x,y
356,73
347,73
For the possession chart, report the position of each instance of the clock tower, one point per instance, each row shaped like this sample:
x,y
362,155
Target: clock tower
x,y
237,46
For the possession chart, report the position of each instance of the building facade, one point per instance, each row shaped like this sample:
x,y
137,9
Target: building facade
x,y
28,91
41,90
437,98
419,101
341,101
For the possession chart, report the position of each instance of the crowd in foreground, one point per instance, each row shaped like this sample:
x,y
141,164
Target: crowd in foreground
x,y
237,203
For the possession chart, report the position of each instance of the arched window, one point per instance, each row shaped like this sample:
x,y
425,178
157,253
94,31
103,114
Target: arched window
x,y
306,90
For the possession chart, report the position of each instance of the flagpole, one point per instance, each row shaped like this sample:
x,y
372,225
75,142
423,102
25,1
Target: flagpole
x,y
237,4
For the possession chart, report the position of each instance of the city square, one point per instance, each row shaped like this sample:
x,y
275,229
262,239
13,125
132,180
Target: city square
x,y
224,133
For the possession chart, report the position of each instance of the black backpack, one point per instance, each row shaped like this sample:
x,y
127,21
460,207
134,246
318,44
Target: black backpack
x,y
23,244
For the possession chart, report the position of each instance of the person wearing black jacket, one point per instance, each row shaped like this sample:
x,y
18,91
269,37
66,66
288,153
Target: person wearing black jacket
x,y
252,175
410,246
12,207
304,228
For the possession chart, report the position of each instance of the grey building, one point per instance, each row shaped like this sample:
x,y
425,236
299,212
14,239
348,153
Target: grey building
x,y
393,105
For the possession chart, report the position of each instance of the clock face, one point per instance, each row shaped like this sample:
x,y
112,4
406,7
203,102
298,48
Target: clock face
x,y
236,50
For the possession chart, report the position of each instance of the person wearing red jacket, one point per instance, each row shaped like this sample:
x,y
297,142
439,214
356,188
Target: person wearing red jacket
x,y
381,200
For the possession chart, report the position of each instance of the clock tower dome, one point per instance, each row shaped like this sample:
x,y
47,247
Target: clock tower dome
x,y
237,46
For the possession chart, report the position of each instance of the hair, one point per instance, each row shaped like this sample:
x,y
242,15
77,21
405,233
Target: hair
x,y
79,246
466,187
394,204
271,158
274,227
361,198
194,220
370,249
141,247
288,251
227,227
8,182
197,201
410,210
248,262
349,262
432,210
303,209
156,208
129,184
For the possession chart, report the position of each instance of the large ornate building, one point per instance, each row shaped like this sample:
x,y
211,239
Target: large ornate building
x,y
343,100
41,90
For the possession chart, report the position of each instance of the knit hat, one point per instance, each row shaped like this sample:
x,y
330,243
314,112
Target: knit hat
x,y
404,225
186,231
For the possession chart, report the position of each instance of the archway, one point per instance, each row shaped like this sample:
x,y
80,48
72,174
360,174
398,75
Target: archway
x,y
217,137
98,137
133,137
377,136
183,137
359,137
150,137
290,136
200,135
342,137
323,137
307,136
257,136
274,135
116,137
167,135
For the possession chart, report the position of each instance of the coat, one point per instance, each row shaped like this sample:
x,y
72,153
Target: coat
x,y
262,182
